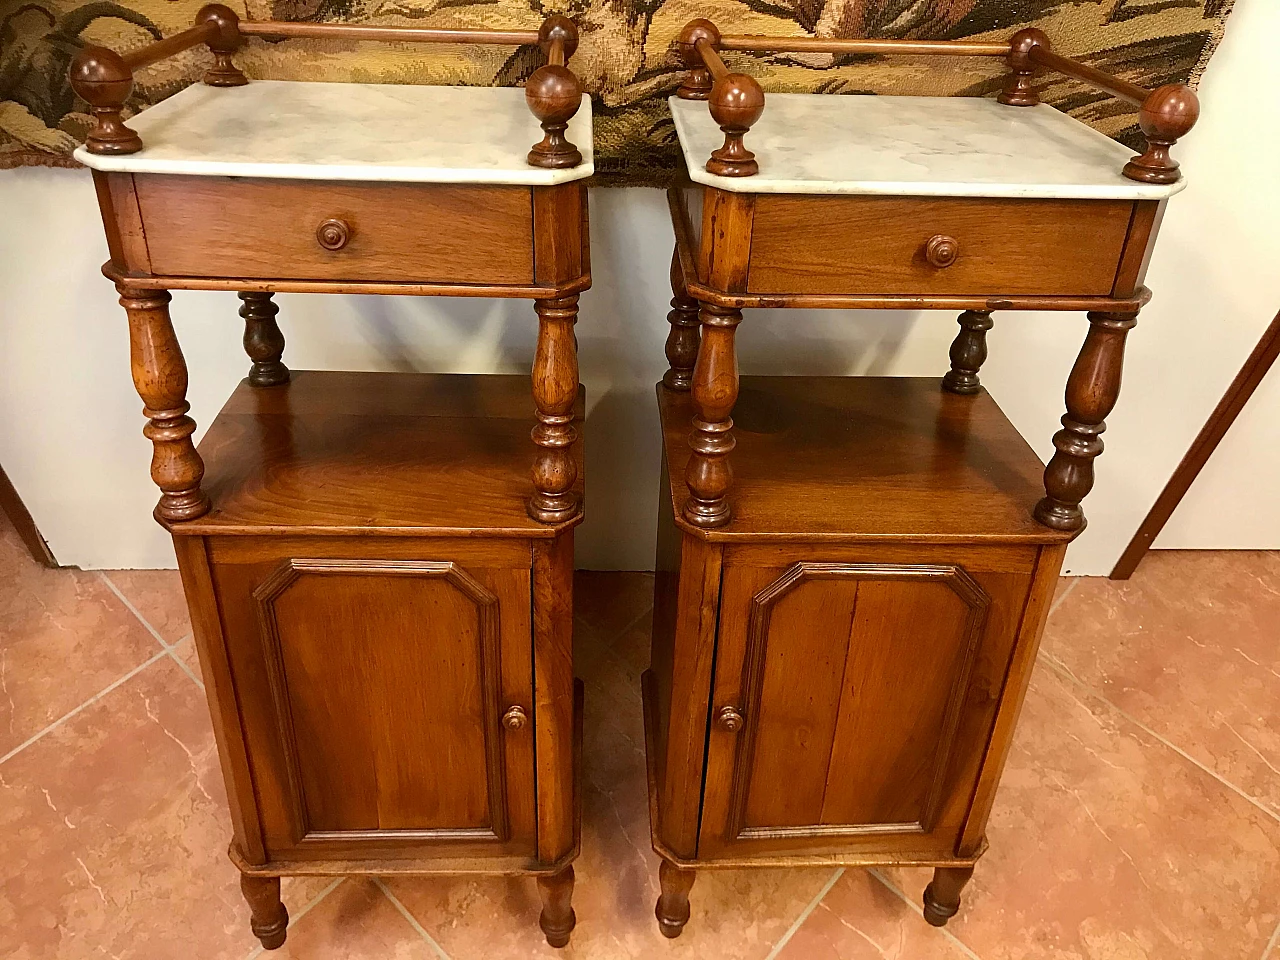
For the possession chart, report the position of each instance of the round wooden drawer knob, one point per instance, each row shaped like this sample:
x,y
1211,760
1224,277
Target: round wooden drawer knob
x,y
333,234
515,718
942,251
729,719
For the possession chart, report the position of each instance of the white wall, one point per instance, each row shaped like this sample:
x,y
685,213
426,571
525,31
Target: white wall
x,y
70,422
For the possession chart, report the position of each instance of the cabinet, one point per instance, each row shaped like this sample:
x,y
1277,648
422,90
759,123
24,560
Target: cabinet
x,y
854,573
379,566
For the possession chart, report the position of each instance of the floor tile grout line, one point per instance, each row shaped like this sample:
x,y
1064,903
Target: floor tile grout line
x,y
805,913
92,700
102,575
1060,668
413,921
1070,586
294,918
915,908
1268,952
173,653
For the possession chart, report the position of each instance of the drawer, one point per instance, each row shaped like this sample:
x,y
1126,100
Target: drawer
x,y
330,230
882,245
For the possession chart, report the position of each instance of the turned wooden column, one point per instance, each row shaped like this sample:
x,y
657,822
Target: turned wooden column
x,y
1092,391
160,376
672,909
555,390
269,919
714,392
557,918
263,341
968,352
682,338
942,895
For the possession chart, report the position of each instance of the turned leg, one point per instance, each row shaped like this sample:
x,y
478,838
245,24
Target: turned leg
x,y
557,919
968,351
682,339
160,376
672,909
268,917
555,391
714,391
942,896
1092,391
263,341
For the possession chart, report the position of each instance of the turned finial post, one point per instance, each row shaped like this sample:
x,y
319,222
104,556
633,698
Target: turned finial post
x,y
1167,115
554,95
697,80
1018,91
683,337
968,353
102,79
736,103
226,41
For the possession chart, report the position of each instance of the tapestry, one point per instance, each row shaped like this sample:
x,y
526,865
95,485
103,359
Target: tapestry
x,y
624,56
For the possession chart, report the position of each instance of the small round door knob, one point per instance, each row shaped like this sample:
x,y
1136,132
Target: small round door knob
x,y
333,234
514,718
942,251
729,719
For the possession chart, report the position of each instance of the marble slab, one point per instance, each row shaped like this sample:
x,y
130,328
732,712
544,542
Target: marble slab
x,y
347,131
916,146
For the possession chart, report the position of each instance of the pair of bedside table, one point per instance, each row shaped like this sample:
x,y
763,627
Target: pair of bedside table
x,y
379,566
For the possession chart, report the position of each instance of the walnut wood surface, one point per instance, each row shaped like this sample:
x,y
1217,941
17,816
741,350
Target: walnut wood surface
x,y
968,353
942,895
672,908
555,392
557,918
879,245
269,919
349,453
867,457
231,227
683,338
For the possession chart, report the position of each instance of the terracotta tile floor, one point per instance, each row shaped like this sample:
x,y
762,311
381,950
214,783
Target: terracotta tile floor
x,y
1139,816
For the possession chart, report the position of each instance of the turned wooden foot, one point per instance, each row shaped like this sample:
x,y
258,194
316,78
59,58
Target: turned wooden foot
x,y
672,909
968,352
942,896
557,919
269,917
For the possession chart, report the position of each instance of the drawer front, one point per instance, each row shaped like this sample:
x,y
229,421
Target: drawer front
x,y
329,230
881,245
386,694
852,702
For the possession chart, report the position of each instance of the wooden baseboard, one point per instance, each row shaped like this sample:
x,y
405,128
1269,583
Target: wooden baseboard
x,y
13,508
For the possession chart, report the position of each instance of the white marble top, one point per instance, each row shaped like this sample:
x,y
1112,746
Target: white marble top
x,y
915,146
347,131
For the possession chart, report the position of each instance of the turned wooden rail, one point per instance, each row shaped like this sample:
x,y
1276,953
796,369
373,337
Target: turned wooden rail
x,y
104,78
736,101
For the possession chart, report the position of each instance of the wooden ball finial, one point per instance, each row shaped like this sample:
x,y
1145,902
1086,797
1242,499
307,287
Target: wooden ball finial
x,y
226,41
736,103
697,81
554,95
1166,116
102,79
558,27
1018,91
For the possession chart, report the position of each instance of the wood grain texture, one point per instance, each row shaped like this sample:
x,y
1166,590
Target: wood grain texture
x,y
23,523
554,695
867,458
233,227
349,453
877,245
561,246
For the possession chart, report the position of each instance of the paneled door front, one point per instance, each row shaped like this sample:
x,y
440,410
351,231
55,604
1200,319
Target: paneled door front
x,y
840,691
399,706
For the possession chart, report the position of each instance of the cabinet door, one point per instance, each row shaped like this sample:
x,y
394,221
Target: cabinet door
x,y
847,712
374,692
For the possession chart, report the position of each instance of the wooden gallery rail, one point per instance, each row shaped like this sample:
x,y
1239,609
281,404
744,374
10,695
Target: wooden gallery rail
x,y
104,78
736,101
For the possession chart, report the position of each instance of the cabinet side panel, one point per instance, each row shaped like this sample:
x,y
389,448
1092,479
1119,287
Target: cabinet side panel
x,y
553,691
220,689
1011,695
666,585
